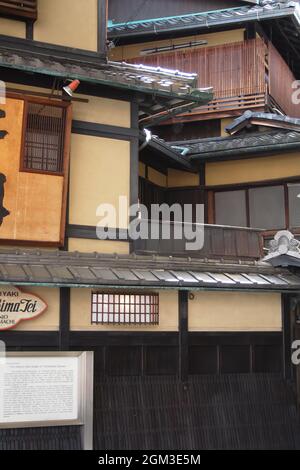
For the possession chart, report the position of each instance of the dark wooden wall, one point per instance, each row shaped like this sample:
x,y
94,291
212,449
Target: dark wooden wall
x,y
143,400
181,131
127,10
150,193
148,354
53,438
210,412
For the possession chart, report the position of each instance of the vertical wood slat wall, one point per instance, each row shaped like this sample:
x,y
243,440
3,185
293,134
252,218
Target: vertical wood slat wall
x,y
240,74
231,69
281,79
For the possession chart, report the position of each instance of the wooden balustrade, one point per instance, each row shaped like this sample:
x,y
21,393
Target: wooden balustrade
x,y
219,242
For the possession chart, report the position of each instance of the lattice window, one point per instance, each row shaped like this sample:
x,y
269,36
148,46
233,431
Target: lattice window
x,y
129,309
21,10
44,137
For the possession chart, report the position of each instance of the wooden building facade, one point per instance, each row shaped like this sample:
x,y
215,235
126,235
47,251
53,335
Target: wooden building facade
x,y
163,321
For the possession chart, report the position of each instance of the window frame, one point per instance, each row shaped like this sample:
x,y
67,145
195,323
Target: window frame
x,y
34,97
67,106
137,321
246,187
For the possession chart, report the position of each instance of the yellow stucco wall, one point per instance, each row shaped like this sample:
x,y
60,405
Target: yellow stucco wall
x,y
81,313
213,39
96,110
99,173
177,178
100,246
209,311
157,177
173,179
234,311
224,123
142,169
254,169
67,23
12,28
49,320
102,111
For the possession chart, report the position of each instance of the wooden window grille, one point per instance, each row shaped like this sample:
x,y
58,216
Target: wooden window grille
x,y
125,309
44,137
20,10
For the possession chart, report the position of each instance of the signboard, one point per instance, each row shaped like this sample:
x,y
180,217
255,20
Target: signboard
x,y
17,306
38,389
48,389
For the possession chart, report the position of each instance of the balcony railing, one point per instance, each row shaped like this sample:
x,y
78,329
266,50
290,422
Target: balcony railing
x,y
244,75
219,241
23,10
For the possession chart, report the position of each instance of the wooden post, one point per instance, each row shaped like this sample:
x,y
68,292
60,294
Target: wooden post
x,y
287,335
183,297
102,26
64,318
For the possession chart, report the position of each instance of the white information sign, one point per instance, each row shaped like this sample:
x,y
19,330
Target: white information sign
x,y
39,389
42,389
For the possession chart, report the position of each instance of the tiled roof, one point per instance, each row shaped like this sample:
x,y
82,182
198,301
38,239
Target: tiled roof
x,y
266,10
118,74
173,158
248,144
174,91
263,119
95,270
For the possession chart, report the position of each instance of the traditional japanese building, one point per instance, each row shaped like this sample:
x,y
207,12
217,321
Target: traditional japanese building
x,y
192,348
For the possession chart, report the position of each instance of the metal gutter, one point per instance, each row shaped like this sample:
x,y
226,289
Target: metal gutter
x,y
177,287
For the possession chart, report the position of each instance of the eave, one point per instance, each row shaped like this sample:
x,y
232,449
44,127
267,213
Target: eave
x,y
167,156
161,92
238,147
250,118
280,22
200,22
80,270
